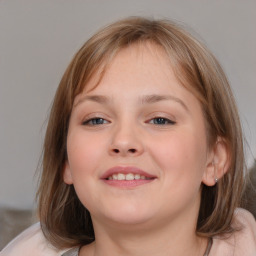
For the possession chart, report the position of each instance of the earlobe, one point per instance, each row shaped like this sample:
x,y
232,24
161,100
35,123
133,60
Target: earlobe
x,y
67,177
218,163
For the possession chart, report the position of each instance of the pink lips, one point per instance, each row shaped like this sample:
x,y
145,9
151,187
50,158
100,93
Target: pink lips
x,y
127,170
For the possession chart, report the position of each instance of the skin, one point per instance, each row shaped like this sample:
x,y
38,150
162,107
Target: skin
x,y
159,217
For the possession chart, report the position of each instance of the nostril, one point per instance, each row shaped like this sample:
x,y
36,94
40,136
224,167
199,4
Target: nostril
x,y
131,150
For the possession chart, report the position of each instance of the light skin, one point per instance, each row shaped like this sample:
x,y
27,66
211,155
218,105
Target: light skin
x,y
139,115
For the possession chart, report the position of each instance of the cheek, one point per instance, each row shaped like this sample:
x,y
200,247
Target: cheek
x,y
182,155
84,153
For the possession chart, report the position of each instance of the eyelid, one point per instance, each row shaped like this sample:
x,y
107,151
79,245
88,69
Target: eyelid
x,y
169,121
94,116
169,117
87,122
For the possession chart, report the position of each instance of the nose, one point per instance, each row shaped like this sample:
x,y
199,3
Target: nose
x,y
126,141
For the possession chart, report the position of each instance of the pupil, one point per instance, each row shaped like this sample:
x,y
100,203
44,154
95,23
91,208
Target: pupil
x,y
98,121
160,120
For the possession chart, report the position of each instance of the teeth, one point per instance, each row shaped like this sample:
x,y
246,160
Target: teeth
x,y
120,176
129,176
136,176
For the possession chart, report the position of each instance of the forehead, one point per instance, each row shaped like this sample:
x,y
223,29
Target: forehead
x,y
140,59
138,71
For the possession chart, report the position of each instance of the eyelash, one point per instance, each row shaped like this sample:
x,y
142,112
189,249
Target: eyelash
x,y
100,121
94,121
163,121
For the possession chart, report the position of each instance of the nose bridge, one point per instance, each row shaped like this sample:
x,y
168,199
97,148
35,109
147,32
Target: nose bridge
x,y
126,139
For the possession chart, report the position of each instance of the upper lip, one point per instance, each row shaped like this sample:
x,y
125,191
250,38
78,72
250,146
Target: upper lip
x,y
125,170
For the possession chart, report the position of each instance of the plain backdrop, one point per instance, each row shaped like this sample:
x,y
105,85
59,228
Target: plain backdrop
x,y
39,37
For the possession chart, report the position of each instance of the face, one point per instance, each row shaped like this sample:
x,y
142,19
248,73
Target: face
x,y
136,143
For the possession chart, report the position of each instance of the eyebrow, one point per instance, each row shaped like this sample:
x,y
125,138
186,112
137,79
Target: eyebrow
x,y
146,99
94,98
154,98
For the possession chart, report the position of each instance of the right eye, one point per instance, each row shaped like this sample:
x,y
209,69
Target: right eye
x,y
95,121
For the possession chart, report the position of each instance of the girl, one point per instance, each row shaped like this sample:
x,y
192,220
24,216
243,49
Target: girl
x,y
143,153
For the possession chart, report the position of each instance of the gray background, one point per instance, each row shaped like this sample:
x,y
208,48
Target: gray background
x,y
38,39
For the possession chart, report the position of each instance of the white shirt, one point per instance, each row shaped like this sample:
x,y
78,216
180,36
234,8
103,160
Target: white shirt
x,y
241,243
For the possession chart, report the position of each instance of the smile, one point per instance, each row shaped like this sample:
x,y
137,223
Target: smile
x,y
129,176
126,177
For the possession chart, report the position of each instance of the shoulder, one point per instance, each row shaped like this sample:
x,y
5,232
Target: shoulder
x,y
241,242
30,242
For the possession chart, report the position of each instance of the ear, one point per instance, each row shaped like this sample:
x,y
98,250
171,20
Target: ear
x,y
218,162
67,177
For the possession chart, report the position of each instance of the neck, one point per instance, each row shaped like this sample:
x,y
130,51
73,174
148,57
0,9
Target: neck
x,y
173,239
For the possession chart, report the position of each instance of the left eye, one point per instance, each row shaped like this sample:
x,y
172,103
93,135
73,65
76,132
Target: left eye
x,y
161,121
95,121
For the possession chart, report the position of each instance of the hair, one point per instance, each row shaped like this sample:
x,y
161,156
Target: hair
x,y
64,220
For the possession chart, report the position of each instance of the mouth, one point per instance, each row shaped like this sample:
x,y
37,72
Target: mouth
x,y
126,176
129,176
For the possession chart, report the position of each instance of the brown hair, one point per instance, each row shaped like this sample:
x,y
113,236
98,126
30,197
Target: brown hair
x,y
64,220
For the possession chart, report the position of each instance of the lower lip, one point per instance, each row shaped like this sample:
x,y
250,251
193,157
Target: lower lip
x,y
127,183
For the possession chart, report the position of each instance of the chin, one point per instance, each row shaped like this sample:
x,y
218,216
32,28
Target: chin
x,y
127,215
129,221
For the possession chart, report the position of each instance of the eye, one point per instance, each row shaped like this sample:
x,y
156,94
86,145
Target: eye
x,y
161,121
95,121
